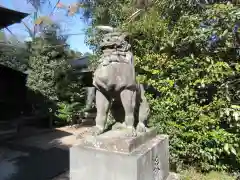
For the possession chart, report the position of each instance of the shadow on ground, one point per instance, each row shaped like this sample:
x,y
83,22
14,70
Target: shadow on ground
x,y
39,157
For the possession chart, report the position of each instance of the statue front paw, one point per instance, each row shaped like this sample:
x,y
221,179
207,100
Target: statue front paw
x,y
141,128
118,126
131,132
97,131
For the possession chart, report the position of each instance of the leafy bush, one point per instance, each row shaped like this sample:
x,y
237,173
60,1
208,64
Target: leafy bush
x,y
68,112
13,54
191,174
51,75
193,70
46,62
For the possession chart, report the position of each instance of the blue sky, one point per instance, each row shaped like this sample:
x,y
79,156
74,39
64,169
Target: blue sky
x,y
70,25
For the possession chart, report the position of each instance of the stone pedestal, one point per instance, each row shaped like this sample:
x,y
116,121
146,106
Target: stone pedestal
x,y
113,156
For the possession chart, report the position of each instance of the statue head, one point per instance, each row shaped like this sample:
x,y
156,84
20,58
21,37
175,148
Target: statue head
x,y
113,38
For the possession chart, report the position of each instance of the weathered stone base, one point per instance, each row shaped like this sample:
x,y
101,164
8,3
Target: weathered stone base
x,y
111,157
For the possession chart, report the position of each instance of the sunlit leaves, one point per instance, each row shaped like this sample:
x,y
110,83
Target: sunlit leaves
x,y
46,58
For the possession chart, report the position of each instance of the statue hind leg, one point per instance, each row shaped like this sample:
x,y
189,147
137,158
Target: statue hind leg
x,y
143,111
102,105
91,93
128,101
143,116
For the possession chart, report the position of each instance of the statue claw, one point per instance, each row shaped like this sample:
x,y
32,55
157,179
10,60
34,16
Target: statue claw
x,y
141,128
118,126
97,131
131,132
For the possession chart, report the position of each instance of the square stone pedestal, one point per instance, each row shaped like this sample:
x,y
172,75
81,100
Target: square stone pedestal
x,y
113,156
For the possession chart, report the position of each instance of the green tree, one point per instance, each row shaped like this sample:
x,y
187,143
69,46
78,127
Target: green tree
x,y
13,53
51,75
47,60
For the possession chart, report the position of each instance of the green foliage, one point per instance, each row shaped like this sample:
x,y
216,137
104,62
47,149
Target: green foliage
x,y
46,62
51,75
68,112
190,54
13,54
72,98
191,174
192,78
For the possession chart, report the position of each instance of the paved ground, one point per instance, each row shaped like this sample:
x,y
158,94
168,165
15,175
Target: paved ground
x,y
40,157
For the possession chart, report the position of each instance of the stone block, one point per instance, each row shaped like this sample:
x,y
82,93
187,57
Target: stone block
x,y
113,156
116,141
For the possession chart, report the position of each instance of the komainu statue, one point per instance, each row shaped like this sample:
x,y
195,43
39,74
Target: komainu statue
x,y
116,87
